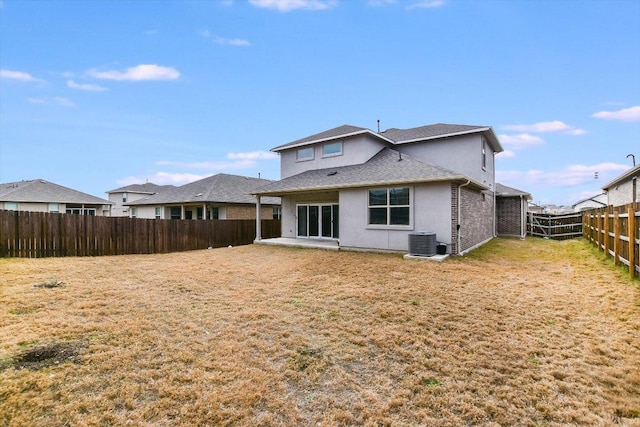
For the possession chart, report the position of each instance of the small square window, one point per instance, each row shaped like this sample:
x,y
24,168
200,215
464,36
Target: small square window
x,y
304,153
54,207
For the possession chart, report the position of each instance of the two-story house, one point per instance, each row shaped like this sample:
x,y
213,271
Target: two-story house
x,y
371,190
131,193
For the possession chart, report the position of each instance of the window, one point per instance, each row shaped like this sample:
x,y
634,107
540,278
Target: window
x,y
124,197
176,212
332,149
277,212
304,154
215,213
11,206
484,155
389,206
54,208
80,211
158,212
134,212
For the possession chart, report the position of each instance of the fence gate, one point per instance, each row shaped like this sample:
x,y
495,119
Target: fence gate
x,y
557,227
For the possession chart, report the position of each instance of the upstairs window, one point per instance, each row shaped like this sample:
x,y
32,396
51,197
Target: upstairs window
x,y
304,154
332,149
484,155
124,197
389,206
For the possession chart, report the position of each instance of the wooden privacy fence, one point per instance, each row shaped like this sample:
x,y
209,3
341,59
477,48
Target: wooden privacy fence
x,y
616,231
557,227
39,234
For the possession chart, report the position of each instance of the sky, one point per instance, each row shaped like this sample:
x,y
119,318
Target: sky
x,y
96,95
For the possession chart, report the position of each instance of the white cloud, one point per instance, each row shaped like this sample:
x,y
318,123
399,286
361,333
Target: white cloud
x,y
143,72
289,5
253,155
546,127
57,100
521,140
631,114
427,4
235,161
162,178
231,42
571,175
381,2
17,75
505,154
86,86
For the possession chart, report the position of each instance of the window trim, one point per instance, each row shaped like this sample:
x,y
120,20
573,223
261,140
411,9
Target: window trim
x,y
388,206
484,154
307,158
339,153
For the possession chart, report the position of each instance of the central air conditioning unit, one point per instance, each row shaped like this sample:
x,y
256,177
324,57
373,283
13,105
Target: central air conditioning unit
x,y
422,243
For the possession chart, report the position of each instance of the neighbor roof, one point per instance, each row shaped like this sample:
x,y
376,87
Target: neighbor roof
x,y
146,188
395,136
220,188
631,173
504,191
41,191
388,167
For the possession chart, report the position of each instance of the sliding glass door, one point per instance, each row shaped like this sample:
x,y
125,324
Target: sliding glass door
x,y
318,221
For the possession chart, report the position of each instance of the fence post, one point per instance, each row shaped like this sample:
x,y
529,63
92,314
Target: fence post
x,y
606,231
616,238
632,242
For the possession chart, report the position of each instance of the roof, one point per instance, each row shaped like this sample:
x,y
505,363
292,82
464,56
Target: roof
x,y
598,198
504,191
395,136
146,188
41,191
220,188
634,172
387,167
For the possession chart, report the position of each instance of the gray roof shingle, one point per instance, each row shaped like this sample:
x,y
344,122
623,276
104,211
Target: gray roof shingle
x,y
146,188
504,191
388,167
397,136
41,191
220,188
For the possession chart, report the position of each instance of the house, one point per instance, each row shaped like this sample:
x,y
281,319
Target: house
x,y
511,210
38,195
131,193
624,189
370,190
593,202
220,196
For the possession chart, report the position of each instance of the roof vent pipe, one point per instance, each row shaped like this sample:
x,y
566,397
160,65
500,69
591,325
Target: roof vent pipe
x,y
378,125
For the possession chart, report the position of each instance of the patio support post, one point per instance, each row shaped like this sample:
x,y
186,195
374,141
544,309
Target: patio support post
x,y
258,220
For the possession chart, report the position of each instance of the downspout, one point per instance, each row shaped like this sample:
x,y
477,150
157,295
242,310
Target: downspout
x,y
523,217
459,216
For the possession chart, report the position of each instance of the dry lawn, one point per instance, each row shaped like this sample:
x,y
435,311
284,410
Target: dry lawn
x,y
517,333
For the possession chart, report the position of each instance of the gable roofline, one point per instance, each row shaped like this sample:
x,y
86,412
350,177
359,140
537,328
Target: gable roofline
x,y
387,167
506,191
496,143
628,174
311,140
43,191
592,198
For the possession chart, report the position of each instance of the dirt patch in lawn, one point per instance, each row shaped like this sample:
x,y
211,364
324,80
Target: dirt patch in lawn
x,y
528,332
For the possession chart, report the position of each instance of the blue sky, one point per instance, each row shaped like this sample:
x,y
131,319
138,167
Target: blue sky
x,y
95,94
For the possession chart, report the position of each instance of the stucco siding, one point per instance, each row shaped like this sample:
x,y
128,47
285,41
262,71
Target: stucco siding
x,y
461,154
356,150
622,193
430,212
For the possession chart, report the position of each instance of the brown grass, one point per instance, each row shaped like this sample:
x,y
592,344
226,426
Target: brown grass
x,y
517,333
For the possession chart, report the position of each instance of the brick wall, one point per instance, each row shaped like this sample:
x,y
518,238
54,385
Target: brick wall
x,y
476,217
509,216
248,212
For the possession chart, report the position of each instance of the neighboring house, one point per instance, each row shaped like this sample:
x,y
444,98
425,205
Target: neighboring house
x,y
594,202
624,189
511,211
131,193
371,190
219,196
39,195
534,208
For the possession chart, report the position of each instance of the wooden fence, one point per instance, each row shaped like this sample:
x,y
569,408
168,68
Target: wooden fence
x,y
616,231
558,227
38,234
